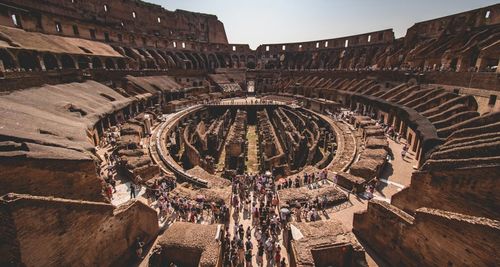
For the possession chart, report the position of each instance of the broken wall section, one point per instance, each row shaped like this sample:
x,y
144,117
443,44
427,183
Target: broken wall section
x,y
431,238
43,231
236,145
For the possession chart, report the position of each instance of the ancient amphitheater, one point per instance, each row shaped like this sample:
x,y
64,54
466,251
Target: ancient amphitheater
x,y
131,135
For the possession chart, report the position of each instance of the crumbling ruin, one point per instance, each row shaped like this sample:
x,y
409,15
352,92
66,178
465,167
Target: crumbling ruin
x,y
236,145
161,99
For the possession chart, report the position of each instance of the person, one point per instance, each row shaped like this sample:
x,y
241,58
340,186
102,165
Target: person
x,y
277,255
371,188
248,258
112,182
283,262
248,244
260,254
132,190
109,191
241,253
138,250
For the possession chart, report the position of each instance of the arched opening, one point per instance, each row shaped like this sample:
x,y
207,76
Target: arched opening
x,y
474,55
7,59
159,58
201,61
171,62
243,61
221,60
204,59
251,65
67,62
129,53
251,62
28,61
191,58
83,62
166,59
121,64
236,61
150,63
227,61
50,62
174,58
110,64
212,61
119,50
184,60
96,63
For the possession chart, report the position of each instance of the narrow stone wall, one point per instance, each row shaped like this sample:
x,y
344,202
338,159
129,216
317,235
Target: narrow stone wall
x,y
431,238
470,191
72,179
59,232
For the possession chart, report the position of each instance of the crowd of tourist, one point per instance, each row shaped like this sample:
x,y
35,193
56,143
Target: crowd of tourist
x,y
311,180
173,207
256,198
109,173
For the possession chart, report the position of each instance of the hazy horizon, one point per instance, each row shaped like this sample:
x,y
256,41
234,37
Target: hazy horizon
x,y
285,21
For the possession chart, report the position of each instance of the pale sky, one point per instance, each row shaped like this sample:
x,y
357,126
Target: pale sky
x,y
257,22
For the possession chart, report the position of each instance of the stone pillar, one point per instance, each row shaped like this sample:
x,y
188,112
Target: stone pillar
x,y
59,63
42,64
2,68
498,66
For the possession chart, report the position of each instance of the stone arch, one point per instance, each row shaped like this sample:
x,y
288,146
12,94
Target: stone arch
x,y
228,63
323,60
8,59
150,61
28,61
140,63
67,62
290,60
83,62
205,60
186,63
96,63
243,60
220,60
212,61
193,60
163,57
201,61
174,58
50,61
251,62
128,52
299,60
236,61
121,64
119,49
110,64
159,57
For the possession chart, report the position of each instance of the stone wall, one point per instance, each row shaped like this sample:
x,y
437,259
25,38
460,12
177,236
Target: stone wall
x,y
72,179
271,152
144,19
59,232
236,144
431,238
469,191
